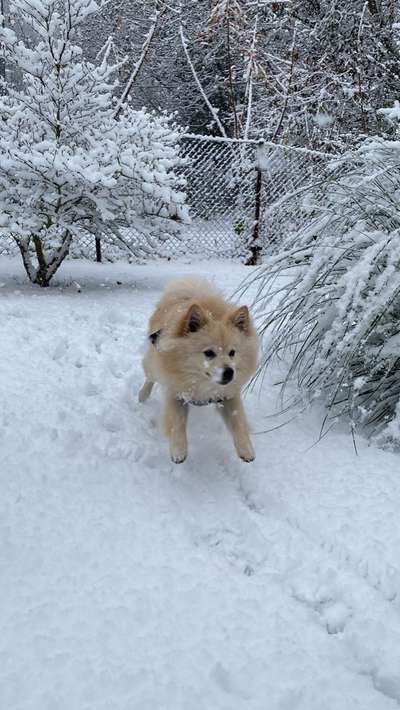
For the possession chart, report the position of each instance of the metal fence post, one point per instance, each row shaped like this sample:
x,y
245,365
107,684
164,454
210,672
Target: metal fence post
x,y
98,249
254,246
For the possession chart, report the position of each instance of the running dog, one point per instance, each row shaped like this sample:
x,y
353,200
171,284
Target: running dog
x,y
202,350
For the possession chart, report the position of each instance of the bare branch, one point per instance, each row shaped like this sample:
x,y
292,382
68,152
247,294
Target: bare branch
x,y
288,88
197,80
140,61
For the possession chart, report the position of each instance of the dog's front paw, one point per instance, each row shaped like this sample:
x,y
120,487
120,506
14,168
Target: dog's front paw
x,y
178,453
245,451
178,459
248,459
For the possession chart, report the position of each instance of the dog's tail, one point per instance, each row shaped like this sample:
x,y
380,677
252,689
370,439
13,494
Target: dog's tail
x,y
193,288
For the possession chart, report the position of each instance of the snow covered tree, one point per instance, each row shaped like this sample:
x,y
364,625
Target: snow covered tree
x,y
67,166
221,38
313,72
330,299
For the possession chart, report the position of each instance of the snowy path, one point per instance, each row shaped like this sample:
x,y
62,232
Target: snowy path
x,y
128,583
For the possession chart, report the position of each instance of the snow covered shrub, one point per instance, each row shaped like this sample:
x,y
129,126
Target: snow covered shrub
x,y
331,298
67,166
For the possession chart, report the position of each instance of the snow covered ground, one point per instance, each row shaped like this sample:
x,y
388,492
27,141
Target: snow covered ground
x,y
128,583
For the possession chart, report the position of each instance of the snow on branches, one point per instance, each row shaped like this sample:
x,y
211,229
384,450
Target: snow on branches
x,y
67,167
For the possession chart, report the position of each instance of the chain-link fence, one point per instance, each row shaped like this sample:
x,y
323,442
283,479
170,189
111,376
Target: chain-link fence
x,y
242,191
240,194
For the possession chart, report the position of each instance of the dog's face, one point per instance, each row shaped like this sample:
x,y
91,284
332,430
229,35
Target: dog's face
x,y
211,357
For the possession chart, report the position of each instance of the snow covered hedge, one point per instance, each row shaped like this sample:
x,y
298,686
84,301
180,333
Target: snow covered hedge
x,y
67,166
331,298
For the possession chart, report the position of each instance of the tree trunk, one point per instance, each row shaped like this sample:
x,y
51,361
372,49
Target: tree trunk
x,y
41,277
45,271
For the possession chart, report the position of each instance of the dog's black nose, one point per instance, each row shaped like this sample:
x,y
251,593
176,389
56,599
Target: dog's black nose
x,y
227,375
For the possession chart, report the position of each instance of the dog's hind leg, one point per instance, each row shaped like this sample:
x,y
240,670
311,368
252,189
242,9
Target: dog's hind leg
x,y
145,392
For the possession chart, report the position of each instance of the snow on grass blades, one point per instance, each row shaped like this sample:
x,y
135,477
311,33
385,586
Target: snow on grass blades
x,y
67,166
329,302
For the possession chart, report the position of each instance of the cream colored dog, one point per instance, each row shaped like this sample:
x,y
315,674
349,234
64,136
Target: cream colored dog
x,y
202,351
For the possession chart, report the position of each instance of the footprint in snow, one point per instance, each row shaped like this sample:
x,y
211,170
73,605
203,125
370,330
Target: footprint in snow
x,y
60,349
112,420
333,612
90,389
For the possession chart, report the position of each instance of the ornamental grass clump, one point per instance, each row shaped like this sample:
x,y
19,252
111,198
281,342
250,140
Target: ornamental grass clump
x,y
329,302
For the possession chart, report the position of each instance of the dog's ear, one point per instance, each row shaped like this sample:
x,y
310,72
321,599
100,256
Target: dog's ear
x,y
241,319
194,319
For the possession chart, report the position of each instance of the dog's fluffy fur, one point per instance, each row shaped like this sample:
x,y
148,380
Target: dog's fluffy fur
x,y
202,349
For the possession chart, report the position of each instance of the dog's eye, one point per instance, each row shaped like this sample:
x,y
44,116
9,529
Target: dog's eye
x,y
232,353
209,353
